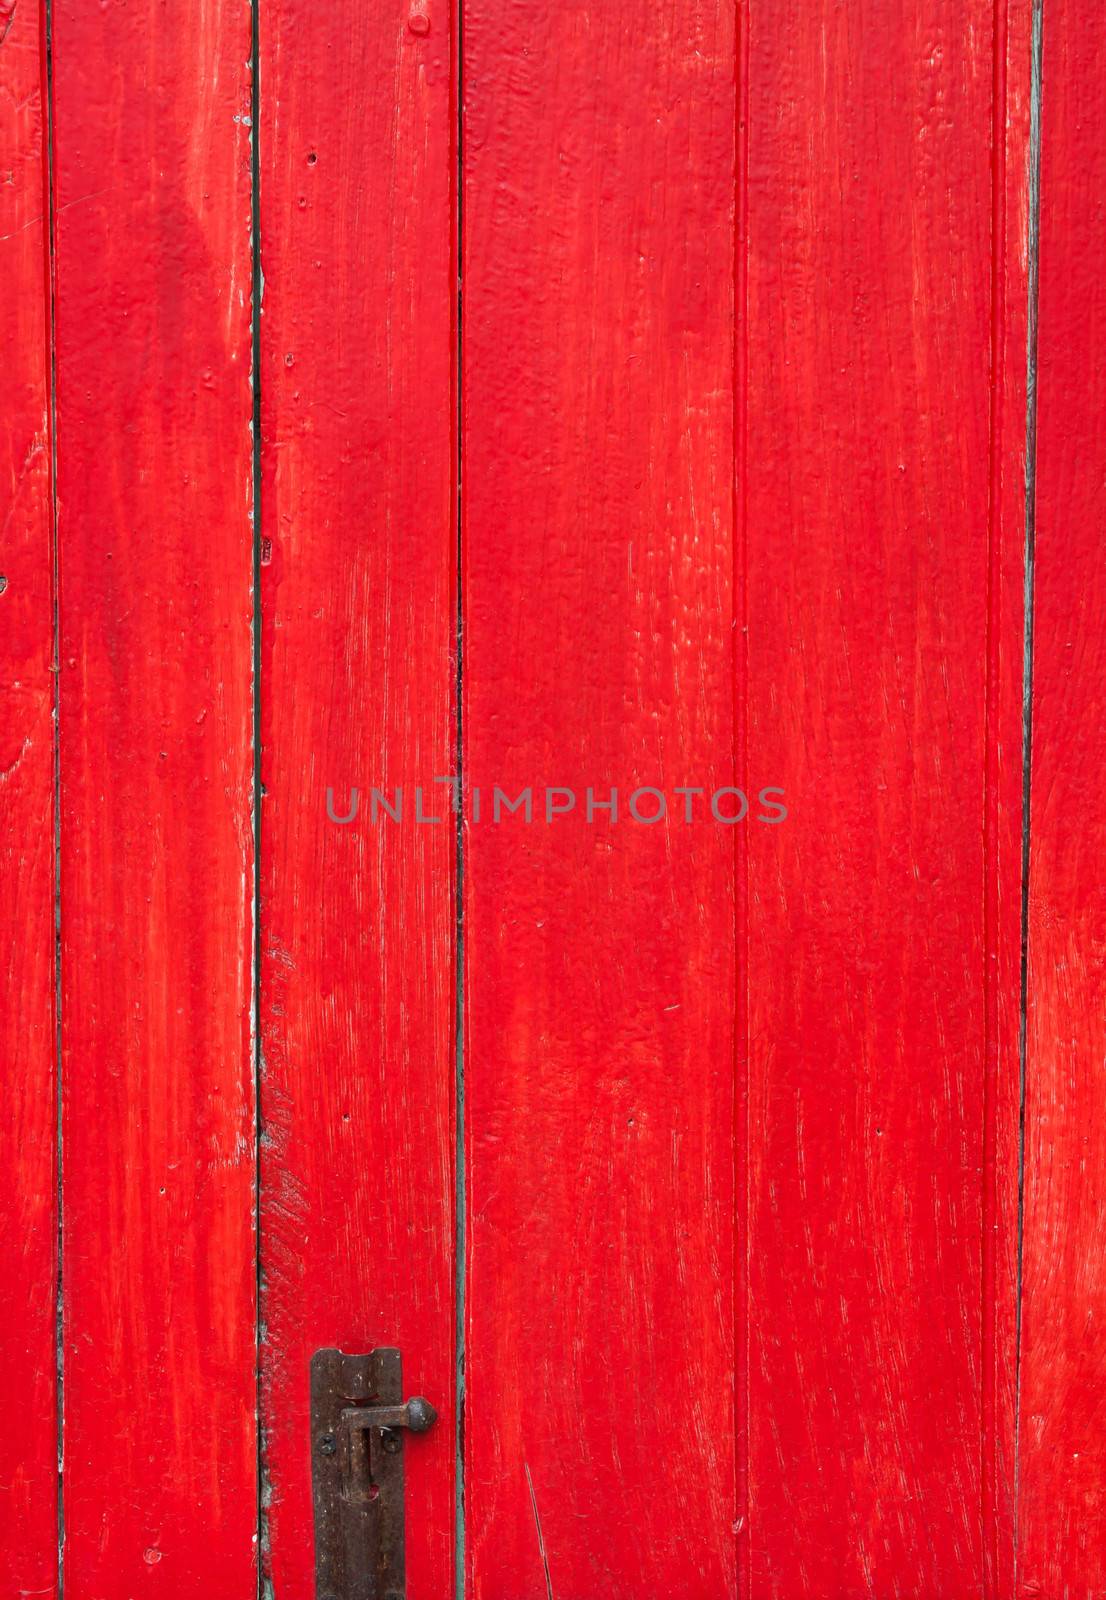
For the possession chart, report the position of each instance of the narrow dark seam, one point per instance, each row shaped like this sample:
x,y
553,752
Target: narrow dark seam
x,y
55,668
264,1587
460,1180
1027,690
740,607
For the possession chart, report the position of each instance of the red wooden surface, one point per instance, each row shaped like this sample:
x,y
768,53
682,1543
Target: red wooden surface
x,y
742,431
1062,1508
154,490
1012,236
28,1239
597,472
358,517
882,518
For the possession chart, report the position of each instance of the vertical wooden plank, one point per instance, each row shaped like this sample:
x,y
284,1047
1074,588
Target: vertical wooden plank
x,y
359,523
1062,1508
154,489
597,476
28,1244
882,498
1003,905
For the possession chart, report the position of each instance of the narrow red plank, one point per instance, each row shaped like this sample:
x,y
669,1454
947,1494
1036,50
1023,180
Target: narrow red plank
x,y
28,1240
155,554
597,481
359,524
1004,778
882,513
1062,1508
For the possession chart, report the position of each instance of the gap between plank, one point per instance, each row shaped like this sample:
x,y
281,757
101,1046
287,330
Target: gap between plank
x,y
55,568
264,1587
1027,688
460,1268
739,604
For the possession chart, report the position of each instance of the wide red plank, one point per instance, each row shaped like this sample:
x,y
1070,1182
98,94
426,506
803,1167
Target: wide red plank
x,y
597,474
155,553
28,1238
359,527
1062,1506
880,462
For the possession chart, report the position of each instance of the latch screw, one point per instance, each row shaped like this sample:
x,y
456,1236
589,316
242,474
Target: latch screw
x,y
328,1445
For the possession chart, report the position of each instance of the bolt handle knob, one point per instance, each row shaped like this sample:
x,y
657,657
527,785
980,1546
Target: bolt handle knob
x,y
421,1415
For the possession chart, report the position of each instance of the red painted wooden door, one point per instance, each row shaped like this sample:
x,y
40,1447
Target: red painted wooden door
x,y
550,583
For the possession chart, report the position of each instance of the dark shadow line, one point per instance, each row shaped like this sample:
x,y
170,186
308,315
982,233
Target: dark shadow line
x,y
742,1397
264,1587
50,266
1027,691
461,1179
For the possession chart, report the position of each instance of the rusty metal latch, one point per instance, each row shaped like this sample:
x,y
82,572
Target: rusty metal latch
x,y
358,1418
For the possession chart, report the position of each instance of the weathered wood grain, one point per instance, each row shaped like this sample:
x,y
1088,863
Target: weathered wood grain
x,y
882,525
28,1238
597,477
154,493
359,525
743,436
1062,1505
